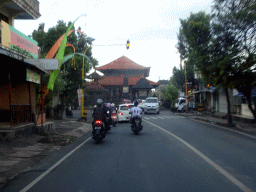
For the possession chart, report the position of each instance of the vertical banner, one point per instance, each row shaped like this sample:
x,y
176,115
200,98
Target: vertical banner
x,y
79,93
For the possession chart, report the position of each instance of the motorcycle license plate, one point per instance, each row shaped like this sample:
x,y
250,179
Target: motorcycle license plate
x,y
137,120
97,127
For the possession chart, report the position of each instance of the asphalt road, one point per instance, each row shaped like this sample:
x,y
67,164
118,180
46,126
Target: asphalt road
x,y
172,153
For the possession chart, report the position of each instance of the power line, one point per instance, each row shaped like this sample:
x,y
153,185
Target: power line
x,y
111,45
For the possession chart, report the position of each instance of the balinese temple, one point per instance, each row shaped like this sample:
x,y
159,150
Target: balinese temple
x,y
94,90
125,79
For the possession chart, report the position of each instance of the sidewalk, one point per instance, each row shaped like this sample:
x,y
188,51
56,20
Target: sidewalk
x,y
18,156
219,119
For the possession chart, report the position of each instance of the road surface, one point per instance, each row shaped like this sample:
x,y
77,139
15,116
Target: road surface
x,y
172,153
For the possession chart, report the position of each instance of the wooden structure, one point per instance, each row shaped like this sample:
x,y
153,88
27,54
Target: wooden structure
x,y
121,77
94,90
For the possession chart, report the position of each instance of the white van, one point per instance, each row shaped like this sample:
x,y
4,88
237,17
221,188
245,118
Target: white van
x,y
180,104
151,105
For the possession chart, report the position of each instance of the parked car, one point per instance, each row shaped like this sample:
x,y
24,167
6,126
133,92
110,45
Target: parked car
x,y
180,104
151,105
123,112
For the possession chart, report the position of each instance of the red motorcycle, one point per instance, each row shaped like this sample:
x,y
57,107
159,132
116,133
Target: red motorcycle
x,y
114,118
98,130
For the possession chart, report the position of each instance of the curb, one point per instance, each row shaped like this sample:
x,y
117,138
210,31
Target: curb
x,y
78,133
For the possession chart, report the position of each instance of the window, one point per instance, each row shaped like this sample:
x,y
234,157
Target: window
x,y
126,107
151,101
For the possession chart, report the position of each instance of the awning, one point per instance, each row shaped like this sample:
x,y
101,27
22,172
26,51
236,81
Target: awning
x,y
237,93
202,91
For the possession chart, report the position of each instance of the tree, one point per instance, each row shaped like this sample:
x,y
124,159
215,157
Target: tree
x,y
178,78
171,94
241,19
212,48
71,71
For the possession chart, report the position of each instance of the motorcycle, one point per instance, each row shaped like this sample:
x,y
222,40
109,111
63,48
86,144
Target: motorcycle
x,y
114,119
108,123
136,126
69,113
98,131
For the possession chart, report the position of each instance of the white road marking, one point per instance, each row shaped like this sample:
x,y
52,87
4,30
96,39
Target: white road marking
x,y
216,166
160,117
171,116
53,167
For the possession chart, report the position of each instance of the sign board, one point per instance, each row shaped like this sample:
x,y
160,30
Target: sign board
x,y
46,64
12,37
32,76
125,89
197,75
79,92
182,94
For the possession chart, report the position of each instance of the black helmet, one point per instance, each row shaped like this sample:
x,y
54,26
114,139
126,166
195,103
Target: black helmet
x,y
136,103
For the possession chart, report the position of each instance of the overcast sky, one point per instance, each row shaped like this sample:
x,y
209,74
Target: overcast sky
x,y
151,26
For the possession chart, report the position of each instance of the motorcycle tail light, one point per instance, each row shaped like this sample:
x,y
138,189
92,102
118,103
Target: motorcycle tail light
x,y
120,113
98,123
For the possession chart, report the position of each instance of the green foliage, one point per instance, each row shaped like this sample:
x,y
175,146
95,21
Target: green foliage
x,y
171,94
222,45
70,76
178,77
21,51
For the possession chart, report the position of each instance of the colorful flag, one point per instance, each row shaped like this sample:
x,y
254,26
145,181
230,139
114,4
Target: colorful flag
x,y
60,54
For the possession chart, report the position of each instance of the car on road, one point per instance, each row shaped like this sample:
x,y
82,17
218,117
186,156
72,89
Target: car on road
x,y
123,112
141,104
125,101
151,105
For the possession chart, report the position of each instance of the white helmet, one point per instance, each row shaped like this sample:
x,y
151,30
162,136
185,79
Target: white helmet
x,y
99,102
112,105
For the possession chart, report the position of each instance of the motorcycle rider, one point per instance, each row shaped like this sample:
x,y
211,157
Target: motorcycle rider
x,y
113,108
135,111
107,112
68,110
114,111
98,113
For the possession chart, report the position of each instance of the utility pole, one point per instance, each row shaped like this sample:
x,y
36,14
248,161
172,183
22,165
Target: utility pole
x,y
83,112
186,89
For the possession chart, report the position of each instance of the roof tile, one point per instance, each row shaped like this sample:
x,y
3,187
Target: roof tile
x,y
117,80
121,63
